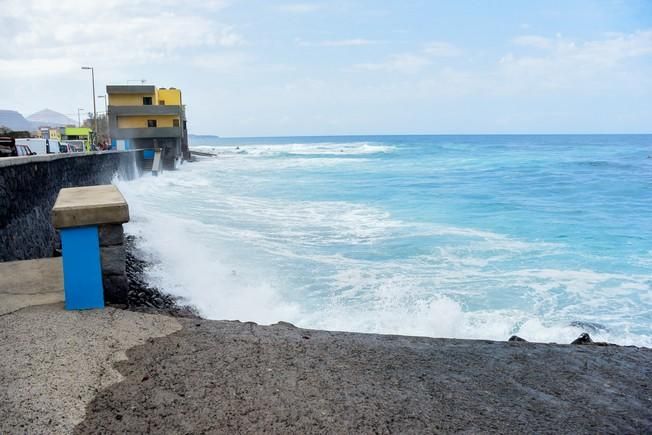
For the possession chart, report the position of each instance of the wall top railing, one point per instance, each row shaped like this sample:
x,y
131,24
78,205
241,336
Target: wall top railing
x,y
23,160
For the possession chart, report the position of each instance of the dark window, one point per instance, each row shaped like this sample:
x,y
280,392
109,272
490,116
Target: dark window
x,y
161,102
147,101
175,123
151,123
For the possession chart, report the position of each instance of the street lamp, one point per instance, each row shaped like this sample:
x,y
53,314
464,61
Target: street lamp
x,y
94,108
78,118
106,113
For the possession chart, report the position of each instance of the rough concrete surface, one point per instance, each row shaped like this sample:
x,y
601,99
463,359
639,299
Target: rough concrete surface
x,y
232,377
30,282
89,205
53,362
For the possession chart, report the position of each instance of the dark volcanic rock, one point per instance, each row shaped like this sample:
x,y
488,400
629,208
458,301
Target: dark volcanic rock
x,y
516,338
584,338
29,188
233,377
143,297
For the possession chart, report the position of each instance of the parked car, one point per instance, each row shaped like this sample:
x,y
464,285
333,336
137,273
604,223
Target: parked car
x,y
9,148
41,146
24,150
65,148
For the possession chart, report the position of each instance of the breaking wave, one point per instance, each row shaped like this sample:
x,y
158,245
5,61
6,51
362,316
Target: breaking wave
x,y
219,239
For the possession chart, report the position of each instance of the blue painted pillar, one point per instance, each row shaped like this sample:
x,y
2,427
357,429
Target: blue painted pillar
x,y
82,270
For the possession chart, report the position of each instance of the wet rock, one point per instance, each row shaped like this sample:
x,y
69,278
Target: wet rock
x,y
285,324
111,234
516,338
584,338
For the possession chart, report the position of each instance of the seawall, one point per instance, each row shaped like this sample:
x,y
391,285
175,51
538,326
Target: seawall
x,y
29,187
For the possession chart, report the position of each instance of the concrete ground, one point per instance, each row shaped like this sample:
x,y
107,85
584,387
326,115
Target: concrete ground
x,y
67,371
232,377
30,282
53,362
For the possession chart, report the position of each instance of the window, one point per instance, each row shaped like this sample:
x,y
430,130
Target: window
x,y
175,123
161,102
147,101
151,123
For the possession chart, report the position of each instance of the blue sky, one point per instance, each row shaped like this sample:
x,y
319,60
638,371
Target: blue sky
x,y
255,68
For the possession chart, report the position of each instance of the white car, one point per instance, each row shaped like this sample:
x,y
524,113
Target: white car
x,y
41,146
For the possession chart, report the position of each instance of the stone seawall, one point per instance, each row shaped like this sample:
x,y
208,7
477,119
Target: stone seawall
x,y
29,187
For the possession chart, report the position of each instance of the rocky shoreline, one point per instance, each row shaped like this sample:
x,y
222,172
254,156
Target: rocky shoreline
x,y
144,298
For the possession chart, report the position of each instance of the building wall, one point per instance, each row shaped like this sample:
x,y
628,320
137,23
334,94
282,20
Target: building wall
x,y
172,97
53,133
30,185
141,121
129,99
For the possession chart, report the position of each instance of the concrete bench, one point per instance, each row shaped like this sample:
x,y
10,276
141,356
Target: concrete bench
x,y
89,220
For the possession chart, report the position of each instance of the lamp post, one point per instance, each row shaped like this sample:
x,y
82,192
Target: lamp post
x,y
78,118
106,114
106,109
94,106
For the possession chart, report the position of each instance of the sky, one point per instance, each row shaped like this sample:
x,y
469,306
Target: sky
x,y
339,67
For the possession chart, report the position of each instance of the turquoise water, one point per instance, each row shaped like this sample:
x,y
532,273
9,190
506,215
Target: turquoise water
x,y
454,236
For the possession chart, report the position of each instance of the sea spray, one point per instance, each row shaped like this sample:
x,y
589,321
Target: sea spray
x,y
435,236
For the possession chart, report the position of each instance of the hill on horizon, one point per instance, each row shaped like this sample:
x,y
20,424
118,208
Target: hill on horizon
x,y
14,121
50,118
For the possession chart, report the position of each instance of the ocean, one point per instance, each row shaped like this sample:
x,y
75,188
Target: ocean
x,y
542,236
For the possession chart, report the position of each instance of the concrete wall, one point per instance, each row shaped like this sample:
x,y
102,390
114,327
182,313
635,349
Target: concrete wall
x,y
141,121
29,187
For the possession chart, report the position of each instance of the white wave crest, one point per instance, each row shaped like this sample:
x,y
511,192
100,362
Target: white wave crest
x,y
297,149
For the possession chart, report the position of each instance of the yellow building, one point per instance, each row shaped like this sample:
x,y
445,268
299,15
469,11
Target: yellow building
x,y
147,117
48,133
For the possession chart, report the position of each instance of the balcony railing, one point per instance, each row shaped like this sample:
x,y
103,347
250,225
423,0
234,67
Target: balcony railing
x,y
141,133
144,110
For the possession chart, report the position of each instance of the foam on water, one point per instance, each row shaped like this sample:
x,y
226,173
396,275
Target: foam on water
x,y
241,239
298,149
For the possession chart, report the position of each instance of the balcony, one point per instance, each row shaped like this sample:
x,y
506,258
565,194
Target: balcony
x,y
130,89
143,133
144,110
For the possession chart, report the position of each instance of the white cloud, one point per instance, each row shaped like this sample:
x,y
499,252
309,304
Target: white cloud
x,y
223,63
533,41
412,63
614,65
441,49
47,34
403,63
300,8
568,64
359,42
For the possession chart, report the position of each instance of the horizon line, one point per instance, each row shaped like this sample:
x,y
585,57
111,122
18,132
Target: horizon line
x,y
420,134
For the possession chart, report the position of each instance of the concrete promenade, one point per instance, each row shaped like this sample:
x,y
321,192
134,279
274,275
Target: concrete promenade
x,y
30,282
64,371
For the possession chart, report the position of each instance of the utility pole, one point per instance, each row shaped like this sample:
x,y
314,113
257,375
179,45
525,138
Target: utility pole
x,y
106,114
94,105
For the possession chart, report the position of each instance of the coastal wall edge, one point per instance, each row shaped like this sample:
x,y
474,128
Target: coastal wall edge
x,y
29,188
